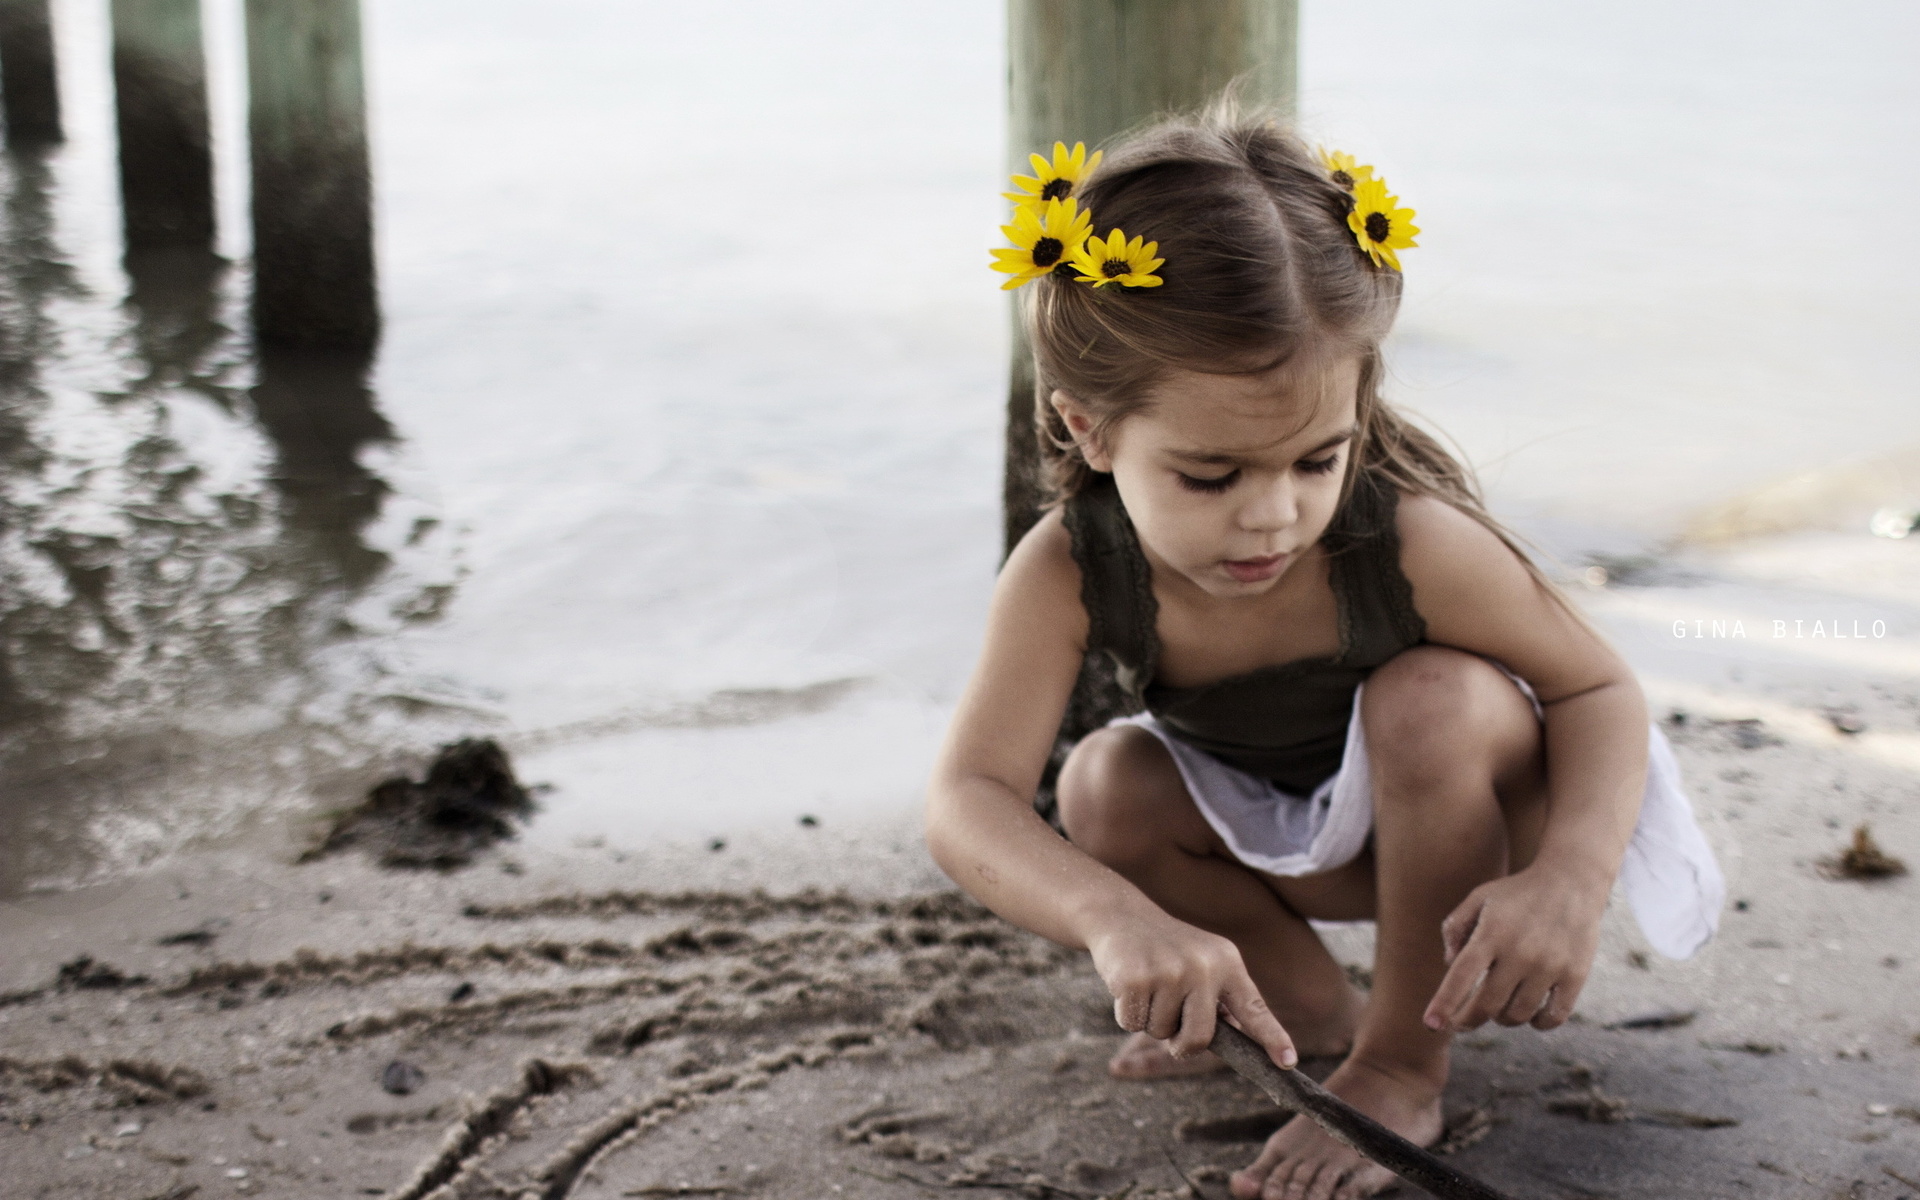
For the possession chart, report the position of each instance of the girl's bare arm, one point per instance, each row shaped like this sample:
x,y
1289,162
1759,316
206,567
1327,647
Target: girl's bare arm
x,y
1515,940
1167,977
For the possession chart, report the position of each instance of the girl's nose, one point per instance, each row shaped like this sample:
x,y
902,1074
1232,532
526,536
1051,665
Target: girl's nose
x,y
1270,508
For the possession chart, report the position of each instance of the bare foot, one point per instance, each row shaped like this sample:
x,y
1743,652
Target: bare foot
x,y
1302,1163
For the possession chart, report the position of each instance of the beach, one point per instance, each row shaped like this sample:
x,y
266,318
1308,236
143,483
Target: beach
x,y
677,476
815,1012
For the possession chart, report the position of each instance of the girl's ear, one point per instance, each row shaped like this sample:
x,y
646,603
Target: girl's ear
x,y
1079,423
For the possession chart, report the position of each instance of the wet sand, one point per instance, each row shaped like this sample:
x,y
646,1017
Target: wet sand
x,y
814,1013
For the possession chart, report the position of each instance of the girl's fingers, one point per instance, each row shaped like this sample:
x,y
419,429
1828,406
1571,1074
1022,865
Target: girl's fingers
x,y
1457,930
1525,1004
1560,1002
1459,986
1196,1026
1131,1008
1495,993
1163,1017
1247,1009
1549,1015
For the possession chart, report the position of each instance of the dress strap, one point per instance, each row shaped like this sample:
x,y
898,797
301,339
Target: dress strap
x,y
1378,619
1116,583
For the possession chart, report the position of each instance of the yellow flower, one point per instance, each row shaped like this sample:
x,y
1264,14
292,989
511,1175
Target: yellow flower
x,y
1056,180
1343,170
1117,260
1042,242
1378,225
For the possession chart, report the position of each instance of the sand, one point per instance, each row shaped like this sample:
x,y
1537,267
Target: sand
x,y
813,1012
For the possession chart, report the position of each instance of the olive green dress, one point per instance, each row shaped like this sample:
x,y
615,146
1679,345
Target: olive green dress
x,y
1285,723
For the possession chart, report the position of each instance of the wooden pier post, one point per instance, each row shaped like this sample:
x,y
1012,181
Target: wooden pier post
x,y
312,195
160,103
1085,70
29,88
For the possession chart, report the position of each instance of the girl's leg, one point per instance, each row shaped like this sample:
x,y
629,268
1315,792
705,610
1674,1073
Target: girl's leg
x,y
1459,798
1122,801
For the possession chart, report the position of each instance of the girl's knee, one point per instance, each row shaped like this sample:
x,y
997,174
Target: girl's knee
x,y
1435,710
1115,791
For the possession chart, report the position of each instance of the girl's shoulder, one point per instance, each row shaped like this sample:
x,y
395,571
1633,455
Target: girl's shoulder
x,y
1470,585
1041,580
1447,550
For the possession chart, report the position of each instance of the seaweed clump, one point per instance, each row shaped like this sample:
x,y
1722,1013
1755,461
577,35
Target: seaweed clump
x,y
468,801
1864,859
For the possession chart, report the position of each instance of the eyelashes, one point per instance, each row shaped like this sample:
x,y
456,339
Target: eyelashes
x,y
1211,486
1220,483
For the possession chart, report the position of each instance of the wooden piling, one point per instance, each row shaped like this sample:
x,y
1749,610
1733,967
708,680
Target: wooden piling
x,y
160,103
29,88
1085,70
312,195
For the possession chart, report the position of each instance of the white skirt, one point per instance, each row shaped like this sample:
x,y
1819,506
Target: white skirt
x,y
1669,875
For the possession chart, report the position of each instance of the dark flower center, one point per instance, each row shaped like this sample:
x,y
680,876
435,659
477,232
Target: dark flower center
x,y
1378,226
1047,251
1114,268
1057,189
1343,179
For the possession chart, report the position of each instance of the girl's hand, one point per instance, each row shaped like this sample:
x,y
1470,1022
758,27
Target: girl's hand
x,y
1172,980
1519,950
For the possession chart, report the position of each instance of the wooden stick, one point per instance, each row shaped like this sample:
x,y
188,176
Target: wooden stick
x,y
1344,1123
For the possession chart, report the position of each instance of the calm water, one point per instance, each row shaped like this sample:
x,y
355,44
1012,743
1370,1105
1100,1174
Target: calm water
x,y
678,469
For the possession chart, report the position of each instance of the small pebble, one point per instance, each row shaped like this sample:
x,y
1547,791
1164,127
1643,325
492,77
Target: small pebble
x,y
809,821
236,1172
402,1078
717,845
130,1129
1878,1110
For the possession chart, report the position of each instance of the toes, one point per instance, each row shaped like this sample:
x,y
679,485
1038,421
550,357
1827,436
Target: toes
x,y
1326,1180
1254,1179
1291,1181
1368,1180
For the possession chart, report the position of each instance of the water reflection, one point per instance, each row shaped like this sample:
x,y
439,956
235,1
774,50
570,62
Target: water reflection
x,y
189,556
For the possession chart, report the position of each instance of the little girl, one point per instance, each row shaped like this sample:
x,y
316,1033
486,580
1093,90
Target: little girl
x,y
1361,700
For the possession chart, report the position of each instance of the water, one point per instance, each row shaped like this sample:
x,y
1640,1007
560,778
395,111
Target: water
x,y
678,468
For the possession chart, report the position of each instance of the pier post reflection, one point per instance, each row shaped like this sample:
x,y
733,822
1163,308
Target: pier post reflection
x,y
318,410
29,89
312,216
160,104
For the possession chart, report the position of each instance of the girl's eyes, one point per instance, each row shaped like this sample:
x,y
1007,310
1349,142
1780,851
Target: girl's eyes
x,y
1218,484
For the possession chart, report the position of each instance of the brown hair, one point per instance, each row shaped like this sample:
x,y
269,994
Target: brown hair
x,y
1261,268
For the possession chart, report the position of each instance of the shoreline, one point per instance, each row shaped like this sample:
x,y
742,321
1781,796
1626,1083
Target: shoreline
x,y
812,1011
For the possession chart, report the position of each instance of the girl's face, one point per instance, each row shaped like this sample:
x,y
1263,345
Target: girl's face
x,y
1229,479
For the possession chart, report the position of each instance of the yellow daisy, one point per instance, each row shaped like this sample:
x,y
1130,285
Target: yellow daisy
x,y
1041,242
1117,260
1378,225
1342,168
1056,180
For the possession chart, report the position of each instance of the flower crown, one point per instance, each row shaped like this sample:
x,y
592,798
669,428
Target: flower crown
x,y
1051,232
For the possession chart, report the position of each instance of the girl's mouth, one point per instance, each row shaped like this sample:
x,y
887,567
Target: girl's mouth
x,y
1253,570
